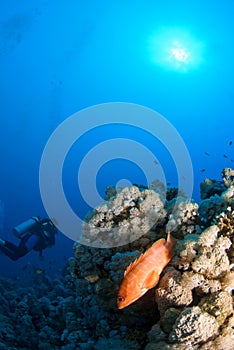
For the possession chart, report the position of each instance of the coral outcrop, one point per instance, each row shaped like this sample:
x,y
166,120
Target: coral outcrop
x,y
123,218
192,305
190,308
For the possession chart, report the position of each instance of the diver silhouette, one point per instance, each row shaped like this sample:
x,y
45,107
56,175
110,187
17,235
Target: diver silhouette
x,y
34,234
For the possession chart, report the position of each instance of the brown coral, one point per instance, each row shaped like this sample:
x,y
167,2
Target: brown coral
x,y
171,291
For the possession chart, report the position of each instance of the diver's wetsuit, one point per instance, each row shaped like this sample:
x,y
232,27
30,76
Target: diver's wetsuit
x,y
41,238
26,244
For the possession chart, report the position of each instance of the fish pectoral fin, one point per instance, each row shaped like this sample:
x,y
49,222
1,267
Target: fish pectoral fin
x,y
151,280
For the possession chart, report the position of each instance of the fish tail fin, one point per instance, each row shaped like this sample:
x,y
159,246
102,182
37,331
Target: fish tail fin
x,y
171,241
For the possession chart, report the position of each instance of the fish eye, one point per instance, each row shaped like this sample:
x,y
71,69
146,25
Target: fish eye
x,y
119,298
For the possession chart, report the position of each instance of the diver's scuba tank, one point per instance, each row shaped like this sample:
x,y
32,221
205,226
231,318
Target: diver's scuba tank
x,y
26,226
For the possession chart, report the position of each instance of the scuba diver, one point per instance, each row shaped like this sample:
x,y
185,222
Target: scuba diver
x,y
34,234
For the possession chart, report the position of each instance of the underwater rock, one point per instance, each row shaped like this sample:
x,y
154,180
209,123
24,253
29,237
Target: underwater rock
x,y
193,327
168,319
228,282
116,343
225,340
156,334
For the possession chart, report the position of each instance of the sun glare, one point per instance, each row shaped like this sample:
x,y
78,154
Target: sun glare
x,y
176,50
179,53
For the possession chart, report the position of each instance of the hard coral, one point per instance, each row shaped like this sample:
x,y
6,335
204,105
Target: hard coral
x,y
209,188
123,218
212,261
218,304
171,291
194,297
182,216
194,326
228,177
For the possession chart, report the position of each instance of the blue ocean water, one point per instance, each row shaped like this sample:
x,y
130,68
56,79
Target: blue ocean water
x,y
58,57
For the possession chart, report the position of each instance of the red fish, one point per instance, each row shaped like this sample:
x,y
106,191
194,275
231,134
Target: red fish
x,y
143,274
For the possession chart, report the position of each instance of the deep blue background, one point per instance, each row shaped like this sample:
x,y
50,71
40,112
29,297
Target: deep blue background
x,y
57,57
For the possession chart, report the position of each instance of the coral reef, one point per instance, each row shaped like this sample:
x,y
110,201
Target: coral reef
x,y
192,305
34,317
228,176
208,188
182,216
190,308
123,218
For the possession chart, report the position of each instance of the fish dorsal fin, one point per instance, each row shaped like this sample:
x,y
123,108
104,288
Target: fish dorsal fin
x,y
156,245
133,264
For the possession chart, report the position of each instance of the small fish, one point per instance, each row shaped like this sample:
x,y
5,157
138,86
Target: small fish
x,y
168,183
143,274
207,154
155,162
202,170
225,156
230,143
39,271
